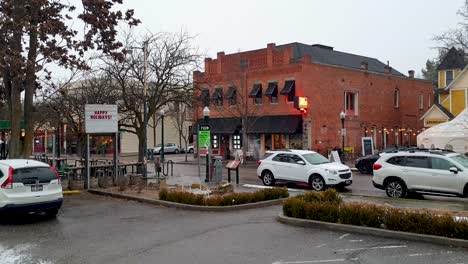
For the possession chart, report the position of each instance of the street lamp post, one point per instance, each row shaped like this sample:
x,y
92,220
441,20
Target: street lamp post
x,y
145,110
206,116
342,117
162,136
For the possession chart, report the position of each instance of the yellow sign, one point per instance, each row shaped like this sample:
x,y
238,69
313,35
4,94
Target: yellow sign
x,y
433,122
349,149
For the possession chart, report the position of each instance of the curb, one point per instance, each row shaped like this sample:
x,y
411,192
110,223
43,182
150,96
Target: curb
x,y
373,231
71,192
188,206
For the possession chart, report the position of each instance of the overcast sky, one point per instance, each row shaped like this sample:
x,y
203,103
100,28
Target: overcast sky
x,y
400,31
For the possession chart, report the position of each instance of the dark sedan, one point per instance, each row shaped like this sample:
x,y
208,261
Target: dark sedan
x,y
365,164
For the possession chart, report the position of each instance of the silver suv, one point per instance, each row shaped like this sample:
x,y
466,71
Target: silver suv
x,y
422,171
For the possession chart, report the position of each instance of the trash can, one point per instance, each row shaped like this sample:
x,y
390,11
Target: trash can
x,y
217,169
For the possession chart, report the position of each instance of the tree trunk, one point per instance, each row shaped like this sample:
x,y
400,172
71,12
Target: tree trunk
x,y
16,74
186,150
30,84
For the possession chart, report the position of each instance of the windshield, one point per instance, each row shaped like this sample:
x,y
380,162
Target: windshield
x,y
315,158
158,146
461,159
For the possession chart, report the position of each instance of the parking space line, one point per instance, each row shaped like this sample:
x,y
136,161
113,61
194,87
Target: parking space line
x,y
369,248
314,261
343,236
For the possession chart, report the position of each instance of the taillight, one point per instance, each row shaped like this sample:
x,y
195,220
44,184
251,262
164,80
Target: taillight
x,y
8,184
56,174
259,162
377,166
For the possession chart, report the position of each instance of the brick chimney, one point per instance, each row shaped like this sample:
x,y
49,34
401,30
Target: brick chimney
x,y
208,65
270,48
411,74
219,60
387,68
364,65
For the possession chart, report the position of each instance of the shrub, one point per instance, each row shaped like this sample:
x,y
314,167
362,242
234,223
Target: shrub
x,y
294,207
225,200
361,214
311,206
330,196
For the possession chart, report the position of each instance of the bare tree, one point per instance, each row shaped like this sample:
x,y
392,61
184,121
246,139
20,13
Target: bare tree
x,y
68,105
239,104
171,61
181,118
457,37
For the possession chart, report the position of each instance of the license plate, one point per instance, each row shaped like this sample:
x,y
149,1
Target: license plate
x,y
36,188
348,182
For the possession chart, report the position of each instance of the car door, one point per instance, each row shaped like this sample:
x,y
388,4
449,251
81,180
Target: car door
x,y
443,180
297,168
417,173
280,164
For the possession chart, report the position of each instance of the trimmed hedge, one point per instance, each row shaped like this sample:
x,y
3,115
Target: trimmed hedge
x,y
225,200
328,207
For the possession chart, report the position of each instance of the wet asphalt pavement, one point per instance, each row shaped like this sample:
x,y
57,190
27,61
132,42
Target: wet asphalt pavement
x,y
93,229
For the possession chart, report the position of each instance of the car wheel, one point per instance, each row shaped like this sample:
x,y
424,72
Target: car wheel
x,y
52,212
267,178
395,189
465,191
317,183
190,150
176,151
362,169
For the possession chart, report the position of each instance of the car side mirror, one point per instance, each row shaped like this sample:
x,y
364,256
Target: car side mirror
x,y
454,170
300,162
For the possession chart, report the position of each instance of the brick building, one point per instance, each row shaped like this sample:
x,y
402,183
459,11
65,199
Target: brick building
x,y
260,85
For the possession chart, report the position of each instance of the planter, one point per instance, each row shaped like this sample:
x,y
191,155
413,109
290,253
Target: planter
x,y
93,183
135,179
65,184
105,182
76,184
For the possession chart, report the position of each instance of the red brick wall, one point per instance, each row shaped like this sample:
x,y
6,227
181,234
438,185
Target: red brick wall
x,y
325,87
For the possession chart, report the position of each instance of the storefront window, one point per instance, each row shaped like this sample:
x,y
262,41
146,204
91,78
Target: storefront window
x,y
279,141
237,142
295,141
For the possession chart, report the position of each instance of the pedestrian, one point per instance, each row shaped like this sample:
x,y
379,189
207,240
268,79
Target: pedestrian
x,y
3,142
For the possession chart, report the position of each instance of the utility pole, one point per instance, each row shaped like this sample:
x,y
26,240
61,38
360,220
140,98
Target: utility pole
x,y
145,110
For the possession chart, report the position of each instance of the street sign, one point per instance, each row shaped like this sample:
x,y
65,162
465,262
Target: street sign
x,y
343,131
204,136
101,118
334,156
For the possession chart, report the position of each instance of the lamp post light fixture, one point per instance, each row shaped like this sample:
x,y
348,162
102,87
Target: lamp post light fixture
x,y
343,132
206,117
162,113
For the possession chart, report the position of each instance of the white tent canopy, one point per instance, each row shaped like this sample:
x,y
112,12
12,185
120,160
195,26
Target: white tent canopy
x,y
451,135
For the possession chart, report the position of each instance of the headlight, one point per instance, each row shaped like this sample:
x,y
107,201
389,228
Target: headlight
x,y
334,172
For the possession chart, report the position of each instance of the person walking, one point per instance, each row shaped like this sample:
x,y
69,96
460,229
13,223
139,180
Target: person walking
x,y
3,142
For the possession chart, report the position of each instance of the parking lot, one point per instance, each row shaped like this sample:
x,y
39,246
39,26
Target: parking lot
x,y
92,229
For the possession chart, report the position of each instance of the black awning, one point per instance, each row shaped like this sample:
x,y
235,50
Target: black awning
x,y
256,90
231,92
227,125
289,86
218,94
285,124
272,89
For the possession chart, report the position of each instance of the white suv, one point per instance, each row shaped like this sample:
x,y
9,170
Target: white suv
x,y
303,166
422,171
29,186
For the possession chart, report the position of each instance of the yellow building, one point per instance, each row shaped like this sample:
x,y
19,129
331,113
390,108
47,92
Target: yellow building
x,y
452,89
